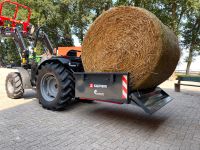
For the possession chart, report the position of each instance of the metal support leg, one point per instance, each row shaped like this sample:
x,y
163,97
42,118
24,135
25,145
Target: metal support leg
x,y
177,87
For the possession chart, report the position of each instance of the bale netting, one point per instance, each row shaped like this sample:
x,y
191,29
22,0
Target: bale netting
x,y
131,39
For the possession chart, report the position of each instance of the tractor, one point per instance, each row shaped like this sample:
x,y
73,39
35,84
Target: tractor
x,y
61,80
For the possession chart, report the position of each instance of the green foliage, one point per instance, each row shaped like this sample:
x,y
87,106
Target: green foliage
x,y
8,52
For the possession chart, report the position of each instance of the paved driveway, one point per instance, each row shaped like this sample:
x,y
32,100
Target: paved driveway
x,y
24,124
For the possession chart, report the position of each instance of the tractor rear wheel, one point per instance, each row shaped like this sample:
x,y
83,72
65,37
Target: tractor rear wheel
x,y
14,86
55,86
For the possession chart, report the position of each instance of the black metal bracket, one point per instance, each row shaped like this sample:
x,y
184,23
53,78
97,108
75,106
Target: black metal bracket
x,y
150,101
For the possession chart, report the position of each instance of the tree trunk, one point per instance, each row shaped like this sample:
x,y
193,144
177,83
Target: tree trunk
x,y
192,46
1,61
81,24
189,62
81,35
1,64
174,24
188,67
174,16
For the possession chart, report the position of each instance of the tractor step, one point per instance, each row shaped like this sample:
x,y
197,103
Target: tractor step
x,y
150,101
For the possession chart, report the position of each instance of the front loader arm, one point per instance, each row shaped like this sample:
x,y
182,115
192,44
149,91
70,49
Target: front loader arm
x,y
43,37
17,35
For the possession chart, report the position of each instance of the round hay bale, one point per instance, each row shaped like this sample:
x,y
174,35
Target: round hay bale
x,y
131,39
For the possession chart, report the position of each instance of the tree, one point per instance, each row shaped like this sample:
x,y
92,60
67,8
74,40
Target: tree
x,y
84,13
55,17
191,35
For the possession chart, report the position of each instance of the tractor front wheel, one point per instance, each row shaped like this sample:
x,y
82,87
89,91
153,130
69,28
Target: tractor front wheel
x,y
14,86
55,86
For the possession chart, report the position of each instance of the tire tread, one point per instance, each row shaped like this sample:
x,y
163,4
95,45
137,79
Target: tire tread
x,y
17,84
66,82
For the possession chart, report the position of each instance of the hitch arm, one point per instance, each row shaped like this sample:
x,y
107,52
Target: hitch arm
x,y
43,37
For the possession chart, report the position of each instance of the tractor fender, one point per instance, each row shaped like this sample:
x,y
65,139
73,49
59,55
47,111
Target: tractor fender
x,y
64,61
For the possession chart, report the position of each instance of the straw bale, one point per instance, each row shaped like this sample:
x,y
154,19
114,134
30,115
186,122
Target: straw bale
x,y
131,39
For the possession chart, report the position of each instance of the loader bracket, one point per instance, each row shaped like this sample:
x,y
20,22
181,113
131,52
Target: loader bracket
x,y
150,101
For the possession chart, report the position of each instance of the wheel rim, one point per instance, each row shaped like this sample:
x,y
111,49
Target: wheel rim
x,y
10,86
49,87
